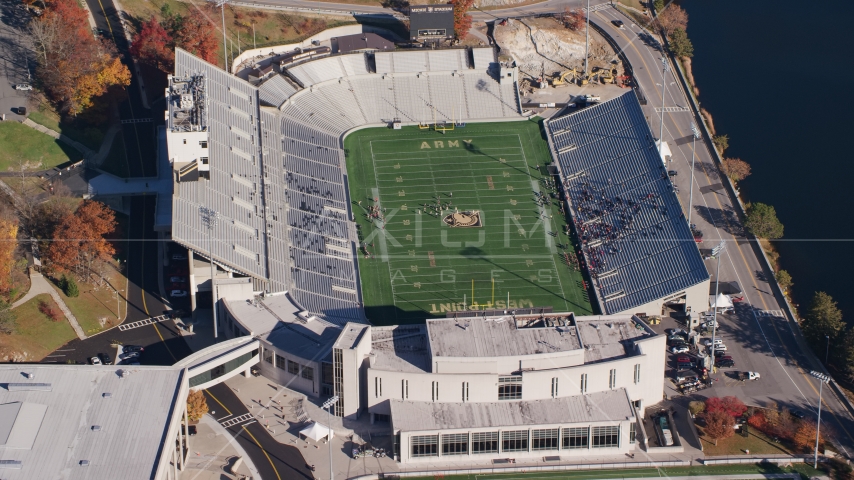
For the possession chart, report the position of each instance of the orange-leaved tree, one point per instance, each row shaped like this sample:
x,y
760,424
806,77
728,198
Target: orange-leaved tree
x,y
462,20
73,66
154,45
195,33
719,425
8,244
79,242
804,436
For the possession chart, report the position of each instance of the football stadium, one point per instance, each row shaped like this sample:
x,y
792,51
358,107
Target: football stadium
x,y
462,219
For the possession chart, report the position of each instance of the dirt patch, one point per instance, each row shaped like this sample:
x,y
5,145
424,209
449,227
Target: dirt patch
x,y
544,46
709,120
686,65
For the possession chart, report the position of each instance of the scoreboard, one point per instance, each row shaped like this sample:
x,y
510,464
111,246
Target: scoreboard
x,y
431,22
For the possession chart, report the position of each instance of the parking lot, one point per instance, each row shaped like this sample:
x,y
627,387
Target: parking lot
x,y
15,58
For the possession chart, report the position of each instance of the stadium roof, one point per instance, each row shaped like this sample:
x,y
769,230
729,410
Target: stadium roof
x,y
361,42
67,415
498,337
612,405
637,245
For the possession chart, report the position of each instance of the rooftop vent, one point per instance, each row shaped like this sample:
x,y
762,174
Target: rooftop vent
x,y
30,375
106,394
11,464
19,387
84,463
96,428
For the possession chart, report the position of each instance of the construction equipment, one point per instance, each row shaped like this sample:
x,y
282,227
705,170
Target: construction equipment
x,y
572,75
607,75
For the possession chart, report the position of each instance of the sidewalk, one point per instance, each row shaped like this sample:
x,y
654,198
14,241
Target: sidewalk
x,y
213,452
38,286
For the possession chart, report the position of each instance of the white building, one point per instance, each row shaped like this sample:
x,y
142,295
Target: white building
x,y
491,386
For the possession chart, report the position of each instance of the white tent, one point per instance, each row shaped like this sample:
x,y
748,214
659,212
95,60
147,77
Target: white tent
x,y
316,431
721,302
664,151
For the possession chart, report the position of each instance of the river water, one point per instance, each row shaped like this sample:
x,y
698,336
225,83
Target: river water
x,y
774,75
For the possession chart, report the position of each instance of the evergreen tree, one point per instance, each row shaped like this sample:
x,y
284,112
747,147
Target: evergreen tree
x,y
71,289
680,44
824,319
762,221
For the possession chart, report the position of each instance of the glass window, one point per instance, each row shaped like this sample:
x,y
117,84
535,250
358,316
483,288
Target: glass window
x,y
326,373
308,373
424,445
583,383
268,356
632,432
546,439
612,379
455,444
637,373
575,438
606,437
280,361
514,441
554,387
510,388
293,367
484,442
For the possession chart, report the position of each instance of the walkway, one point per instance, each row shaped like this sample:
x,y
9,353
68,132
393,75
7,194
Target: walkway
x,y
38,286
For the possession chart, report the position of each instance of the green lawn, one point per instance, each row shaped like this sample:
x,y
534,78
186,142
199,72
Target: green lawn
x,y
40,152
806,471
35,333
756,442
88,135
419,266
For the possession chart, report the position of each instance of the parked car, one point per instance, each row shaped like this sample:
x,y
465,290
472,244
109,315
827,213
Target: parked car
x,y
672,173
748,376
95,361
23,86
720,347
725,363
711,324
178,286
676,331
708,341
178,293
179,256
685,377
177,279
675,342
798,414
106,358
720,353
680,349
737,298
132,348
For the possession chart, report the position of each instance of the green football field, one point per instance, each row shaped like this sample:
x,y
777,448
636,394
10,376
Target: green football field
x,y
451,222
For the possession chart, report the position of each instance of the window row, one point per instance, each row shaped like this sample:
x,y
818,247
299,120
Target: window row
x,y
290,366
516,441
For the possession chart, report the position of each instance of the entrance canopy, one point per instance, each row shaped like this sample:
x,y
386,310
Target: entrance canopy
x,y
316,431
722,301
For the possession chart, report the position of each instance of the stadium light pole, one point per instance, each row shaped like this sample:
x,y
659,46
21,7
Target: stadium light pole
x,y
587,42
696,134
327,405
716,252
221,4
663,93
210,218
823,379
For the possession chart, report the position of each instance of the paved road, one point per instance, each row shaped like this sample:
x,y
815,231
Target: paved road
x,y
272,459
758,336
163,344
139,138
15,58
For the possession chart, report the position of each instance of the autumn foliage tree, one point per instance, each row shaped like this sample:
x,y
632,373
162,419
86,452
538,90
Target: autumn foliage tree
x,y
154,46
804,436
79,245
156,41
462,20
573,18
197,405
671,18
73,66
8,244
732,406
719,425
736,169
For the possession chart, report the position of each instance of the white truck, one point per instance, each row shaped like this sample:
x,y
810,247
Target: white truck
x,y
748,376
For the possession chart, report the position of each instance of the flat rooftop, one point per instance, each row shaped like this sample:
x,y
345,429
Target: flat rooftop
x,y
606,338
401,348
280,322
49,429
612,405
502,336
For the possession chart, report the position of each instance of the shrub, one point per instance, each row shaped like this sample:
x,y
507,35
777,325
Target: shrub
x,y
696,407
70,287
49,311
